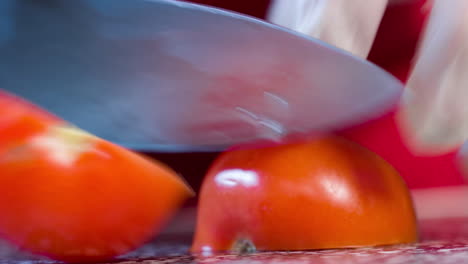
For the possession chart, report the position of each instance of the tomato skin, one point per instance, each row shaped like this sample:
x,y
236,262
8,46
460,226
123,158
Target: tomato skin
x,y
329,193
74,197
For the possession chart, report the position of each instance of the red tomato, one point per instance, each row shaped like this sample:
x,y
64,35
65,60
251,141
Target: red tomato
x,y
71,196
328,193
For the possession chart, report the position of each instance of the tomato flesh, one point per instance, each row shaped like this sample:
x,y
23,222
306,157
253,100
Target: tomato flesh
x,y
327,193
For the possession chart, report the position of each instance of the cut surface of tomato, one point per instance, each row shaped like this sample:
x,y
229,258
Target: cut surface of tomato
x,y
71,196
326,193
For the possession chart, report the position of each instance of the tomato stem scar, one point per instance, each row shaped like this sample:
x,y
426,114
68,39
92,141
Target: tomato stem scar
x,y
243,246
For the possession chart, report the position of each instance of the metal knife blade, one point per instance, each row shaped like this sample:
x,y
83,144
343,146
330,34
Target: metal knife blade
x,y
161,75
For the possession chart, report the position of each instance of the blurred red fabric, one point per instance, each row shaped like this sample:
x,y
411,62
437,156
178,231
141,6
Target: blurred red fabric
x,y
393,50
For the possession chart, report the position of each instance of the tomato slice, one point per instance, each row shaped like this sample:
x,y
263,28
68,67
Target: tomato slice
x,y
327,193
71,196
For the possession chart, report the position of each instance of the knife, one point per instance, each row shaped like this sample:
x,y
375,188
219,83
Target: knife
x,y
170,76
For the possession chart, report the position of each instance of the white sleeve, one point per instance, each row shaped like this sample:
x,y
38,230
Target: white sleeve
x,y
347,24
434,112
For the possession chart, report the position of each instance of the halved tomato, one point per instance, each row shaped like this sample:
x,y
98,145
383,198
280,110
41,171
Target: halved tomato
x,y
326,193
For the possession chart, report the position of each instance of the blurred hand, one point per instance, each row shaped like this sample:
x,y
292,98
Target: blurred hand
x,y
433,116
350,25
434,112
